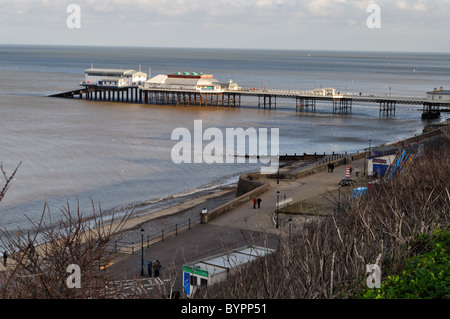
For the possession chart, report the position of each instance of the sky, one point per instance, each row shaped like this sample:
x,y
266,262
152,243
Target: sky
x,y
394,25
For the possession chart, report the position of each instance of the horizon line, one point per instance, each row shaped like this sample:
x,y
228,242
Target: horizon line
x,y
220,48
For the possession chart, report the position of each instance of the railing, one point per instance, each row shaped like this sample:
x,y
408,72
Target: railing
x,y
151,237
182,88
333,157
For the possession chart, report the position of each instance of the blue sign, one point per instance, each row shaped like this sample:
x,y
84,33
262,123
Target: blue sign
x,y
187,283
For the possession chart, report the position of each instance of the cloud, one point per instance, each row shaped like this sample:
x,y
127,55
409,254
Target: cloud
x,y
285,23
402,4
419,5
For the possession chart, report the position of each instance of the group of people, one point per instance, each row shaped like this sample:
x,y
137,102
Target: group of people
x,y
257,201
153,268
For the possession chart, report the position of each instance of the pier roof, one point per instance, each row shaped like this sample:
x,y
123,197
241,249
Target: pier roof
x,y
443,92
111,72
187,75
164,79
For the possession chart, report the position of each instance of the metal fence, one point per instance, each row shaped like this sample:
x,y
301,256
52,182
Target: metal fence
x,y
154,235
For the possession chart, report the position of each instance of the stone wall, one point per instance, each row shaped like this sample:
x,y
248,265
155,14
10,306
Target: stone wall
x,y
248,182
254,188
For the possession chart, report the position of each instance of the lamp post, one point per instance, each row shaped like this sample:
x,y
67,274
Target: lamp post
x,y
370,153
142,251
339,198
278,204
365,161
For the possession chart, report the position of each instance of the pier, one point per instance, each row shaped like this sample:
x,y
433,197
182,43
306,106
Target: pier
x,y
267,99
198,89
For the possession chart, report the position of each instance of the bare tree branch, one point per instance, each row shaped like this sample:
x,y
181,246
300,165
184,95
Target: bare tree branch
x,y
7,179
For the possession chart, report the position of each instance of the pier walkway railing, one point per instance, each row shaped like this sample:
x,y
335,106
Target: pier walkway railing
x,y
304,100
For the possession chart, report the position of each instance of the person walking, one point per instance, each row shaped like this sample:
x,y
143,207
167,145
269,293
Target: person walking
x,y
5,258
259,200
156,268
357,172
254,203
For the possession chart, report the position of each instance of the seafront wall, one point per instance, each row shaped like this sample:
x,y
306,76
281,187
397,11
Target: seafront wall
x,y
248,188
248,182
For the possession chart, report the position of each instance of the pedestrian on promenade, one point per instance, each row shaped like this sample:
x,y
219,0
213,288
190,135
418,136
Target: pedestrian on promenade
x,y
259,200
332,167
254,203
156,268
357,172
351,170
329,167
5,257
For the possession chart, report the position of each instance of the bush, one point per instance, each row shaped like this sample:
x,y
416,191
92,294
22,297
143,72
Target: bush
x,y
426,276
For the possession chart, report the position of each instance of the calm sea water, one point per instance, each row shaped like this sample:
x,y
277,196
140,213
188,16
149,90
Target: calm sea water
x,y
118,154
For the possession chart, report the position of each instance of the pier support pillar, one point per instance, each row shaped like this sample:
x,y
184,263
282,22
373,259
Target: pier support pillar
x,y
430,111
387,108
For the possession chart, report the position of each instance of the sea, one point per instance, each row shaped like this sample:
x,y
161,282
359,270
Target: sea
x,y
117,156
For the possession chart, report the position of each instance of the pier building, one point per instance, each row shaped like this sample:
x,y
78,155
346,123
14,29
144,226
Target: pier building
x,y
111,84
324,91
435,100
440,95
113,77
184,81
189,88
190,82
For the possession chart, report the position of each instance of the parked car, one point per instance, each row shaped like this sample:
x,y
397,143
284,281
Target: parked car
x,y
347,181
